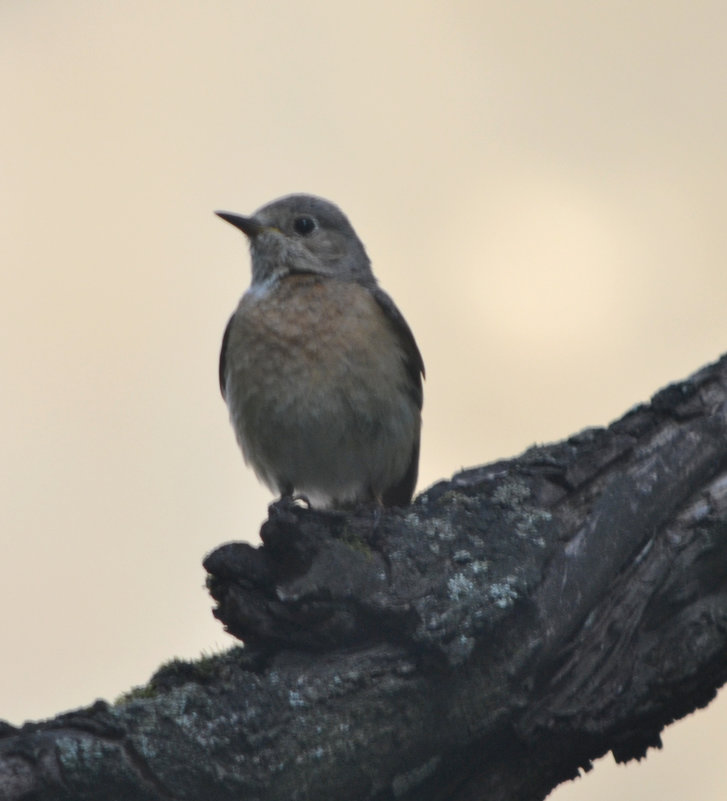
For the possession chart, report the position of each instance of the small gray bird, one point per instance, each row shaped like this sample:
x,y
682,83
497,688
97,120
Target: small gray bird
x,y
319,369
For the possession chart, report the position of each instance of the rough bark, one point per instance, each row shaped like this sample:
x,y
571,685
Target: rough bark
x,y
509,627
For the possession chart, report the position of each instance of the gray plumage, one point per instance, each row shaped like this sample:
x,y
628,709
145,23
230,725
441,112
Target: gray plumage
x,y
320,371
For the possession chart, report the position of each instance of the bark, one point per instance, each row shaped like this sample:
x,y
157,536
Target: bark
x,y
509,627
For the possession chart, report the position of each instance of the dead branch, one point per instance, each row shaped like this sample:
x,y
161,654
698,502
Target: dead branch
x,y
509,627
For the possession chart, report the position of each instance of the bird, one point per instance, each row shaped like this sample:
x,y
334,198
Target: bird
x,y
320,371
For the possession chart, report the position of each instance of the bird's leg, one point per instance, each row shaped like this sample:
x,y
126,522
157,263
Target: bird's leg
x,y
289,499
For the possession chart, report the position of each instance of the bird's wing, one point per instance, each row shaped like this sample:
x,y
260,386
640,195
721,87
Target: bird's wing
x,y
414,361
400,493
223,356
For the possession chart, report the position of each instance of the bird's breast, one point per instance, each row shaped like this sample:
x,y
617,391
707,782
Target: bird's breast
x,y
318,388
331,334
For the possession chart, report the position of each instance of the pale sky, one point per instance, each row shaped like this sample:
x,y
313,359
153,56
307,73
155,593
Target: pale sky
x,y
542,188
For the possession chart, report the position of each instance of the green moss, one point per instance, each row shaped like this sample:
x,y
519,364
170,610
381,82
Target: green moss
x,y
356,543
176,672
135,694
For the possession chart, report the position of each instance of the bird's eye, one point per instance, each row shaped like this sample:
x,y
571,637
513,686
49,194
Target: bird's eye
x,y
304,225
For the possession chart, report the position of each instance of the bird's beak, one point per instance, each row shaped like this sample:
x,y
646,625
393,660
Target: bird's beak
x,y
249,226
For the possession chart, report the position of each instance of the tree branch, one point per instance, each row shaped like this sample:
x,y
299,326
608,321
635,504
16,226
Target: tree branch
x,y
509,627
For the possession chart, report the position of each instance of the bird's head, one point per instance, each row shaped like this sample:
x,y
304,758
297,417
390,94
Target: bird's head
x,y
302,234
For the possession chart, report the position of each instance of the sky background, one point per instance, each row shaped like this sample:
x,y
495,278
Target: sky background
x,y
542,187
